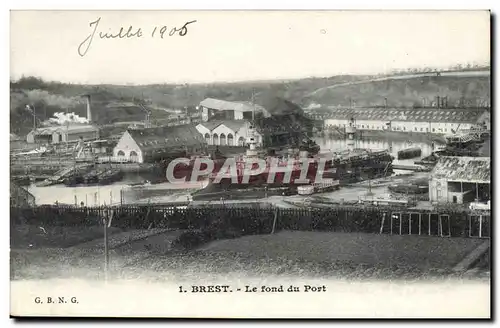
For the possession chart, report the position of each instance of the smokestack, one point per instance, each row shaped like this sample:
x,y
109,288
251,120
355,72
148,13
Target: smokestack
x,y
385,102
89,112
438,102
253,106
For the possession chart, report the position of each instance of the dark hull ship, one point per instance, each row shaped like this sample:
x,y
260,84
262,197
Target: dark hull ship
x,y
286,172
95,177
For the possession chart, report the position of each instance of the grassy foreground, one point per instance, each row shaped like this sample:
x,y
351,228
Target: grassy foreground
x,y
35,237
294,254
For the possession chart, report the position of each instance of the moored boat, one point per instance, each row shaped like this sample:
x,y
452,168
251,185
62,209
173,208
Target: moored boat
x,y
95,177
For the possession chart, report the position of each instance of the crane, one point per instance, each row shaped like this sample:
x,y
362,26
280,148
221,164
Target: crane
x,y
147,123
456,130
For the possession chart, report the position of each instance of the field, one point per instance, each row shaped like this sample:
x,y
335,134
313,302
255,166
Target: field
x,y
63,255
35,237
316,254
294,254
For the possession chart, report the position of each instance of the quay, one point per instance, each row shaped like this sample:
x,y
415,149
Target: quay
x,y
416,168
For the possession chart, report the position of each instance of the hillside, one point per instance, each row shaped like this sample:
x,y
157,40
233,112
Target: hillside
x,y
119,103
52,97
417,91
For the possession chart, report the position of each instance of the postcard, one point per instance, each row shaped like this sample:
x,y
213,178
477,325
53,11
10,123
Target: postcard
x,y
250,164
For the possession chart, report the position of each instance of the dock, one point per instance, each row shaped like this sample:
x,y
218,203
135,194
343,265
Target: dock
x,y
416,168
62,174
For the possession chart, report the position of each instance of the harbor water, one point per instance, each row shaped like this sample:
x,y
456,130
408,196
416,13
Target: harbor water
x,y
335,144
116,193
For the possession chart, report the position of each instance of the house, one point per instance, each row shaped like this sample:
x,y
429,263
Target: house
x,y
227,132
154,144
460,180
418,120
60,133
229,110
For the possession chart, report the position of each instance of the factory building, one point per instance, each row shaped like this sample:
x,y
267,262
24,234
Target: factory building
x,y
227,132
460,180
154,144
57,134
418,120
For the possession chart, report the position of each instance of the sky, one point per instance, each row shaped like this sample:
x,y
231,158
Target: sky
x,y
236,46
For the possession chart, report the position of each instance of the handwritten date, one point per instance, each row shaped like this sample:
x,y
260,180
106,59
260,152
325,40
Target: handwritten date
x,y
129,33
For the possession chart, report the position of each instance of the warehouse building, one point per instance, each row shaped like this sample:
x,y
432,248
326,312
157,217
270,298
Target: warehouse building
x,y
460,180
154,144
418,120
60,133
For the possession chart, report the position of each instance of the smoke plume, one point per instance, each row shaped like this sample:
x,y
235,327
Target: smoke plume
x,y
63,118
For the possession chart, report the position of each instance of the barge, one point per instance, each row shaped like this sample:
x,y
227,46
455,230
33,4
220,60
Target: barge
x,y
95,177
409,153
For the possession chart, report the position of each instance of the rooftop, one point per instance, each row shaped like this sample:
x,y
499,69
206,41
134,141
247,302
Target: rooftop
x,y
243,106
405,114
165,137
234,125
72,128
267,104
465,169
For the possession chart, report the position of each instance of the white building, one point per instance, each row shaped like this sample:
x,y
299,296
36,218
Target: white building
x,y
229,110
460,180
278,122
418,120
63,133
227,132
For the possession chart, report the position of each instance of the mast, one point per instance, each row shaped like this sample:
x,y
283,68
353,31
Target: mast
x,y
67,128
253,106
252,151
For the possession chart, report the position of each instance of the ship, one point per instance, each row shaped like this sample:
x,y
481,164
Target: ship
x,y
464,138
218,159
288,171
95,177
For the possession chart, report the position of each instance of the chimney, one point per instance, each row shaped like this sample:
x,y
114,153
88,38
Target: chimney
x,y
89,112
438,102
385,102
